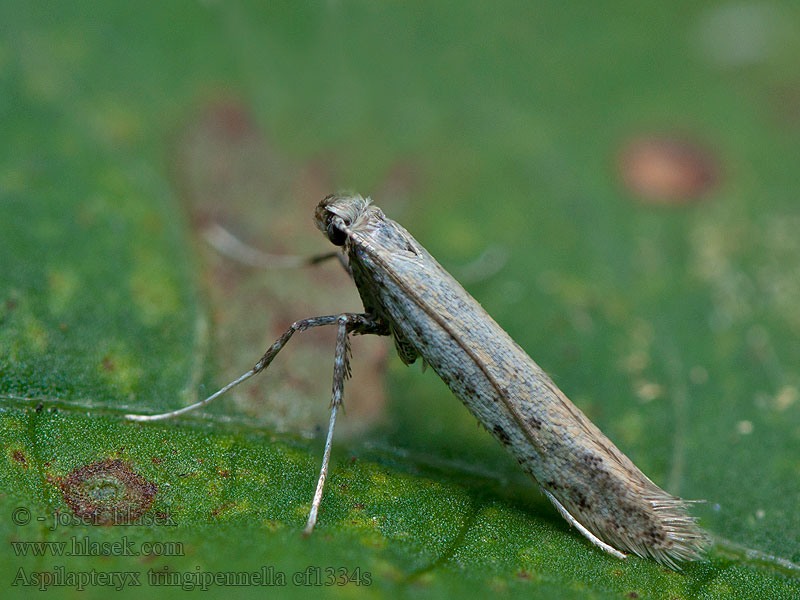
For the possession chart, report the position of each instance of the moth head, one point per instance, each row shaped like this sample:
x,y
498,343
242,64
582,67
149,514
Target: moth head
x,y
337,213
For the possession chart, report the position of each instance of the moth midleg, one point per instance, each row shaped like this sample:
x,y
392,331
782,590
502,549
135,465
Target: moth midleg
x,y
340,372
588,534
357,322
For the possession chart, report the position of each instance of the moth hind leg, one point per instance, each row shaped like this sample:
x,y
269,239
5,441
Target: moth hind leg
x,y
588,534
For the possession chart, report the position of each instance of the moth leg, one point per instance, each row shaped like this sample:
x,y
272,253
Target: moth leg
x,y
588,534
229,245
360,323
340,372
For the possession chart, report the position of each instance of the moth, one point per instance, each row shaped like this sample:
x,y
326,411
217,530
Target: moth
x,y
407,295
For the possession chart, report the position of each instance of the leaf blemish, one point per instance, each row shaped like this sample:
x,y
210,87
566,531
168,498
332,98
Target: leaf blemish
x,y
107,492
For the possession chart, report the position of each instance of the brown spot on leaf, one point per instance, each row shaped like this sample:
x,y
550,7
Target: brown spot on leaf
x,y
108,364
222,508
107,492
668,170
18,456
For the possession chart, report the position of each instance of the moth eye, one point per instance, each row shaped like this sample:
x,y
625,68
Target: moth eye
x,y
336,235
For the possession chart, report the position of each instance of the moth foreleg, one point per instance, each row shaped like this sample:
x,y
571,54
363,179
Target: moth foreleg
x,y
356,322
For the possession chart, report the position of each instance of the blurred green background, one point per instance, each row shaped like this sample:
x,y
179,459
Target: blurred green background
x,y
618,186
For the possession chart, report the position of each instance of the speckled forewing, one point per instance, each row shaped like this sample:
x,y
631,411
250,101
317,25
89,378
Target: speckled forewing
x,y
514,399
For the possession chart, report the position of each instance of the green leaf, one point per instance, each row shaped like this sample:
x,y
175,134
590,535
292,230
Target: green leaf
x,y
129,134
